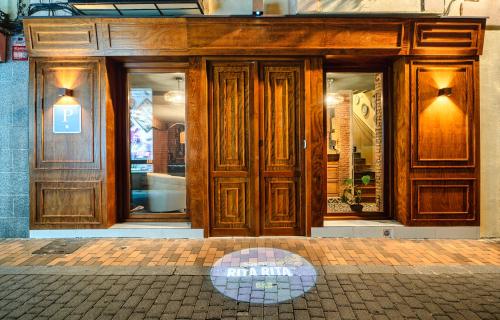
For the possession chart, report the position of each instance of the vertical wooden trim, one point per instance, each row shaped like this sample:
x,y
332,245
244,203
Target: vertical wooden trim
x,y
388,141
197,171
401,120
32,95
476,104
256,106
307,206
316,143
111,92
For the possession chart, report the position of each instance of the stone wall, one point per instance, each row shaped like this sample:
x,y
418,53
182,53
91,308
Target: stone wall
x,y
14,176
490,134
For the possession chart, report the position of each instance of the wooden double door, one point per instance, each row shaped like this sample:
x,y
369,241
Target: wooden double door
x,y
256,127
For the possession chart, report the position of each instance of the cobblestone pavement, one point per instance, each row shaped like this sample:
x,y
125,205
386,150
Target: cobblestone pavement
x,y
130,279
336,296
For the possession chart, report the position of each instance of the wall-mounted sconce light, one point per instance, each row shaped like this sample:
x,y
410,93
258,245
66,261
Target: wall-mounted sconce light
x,y
258,8
64,92
445,92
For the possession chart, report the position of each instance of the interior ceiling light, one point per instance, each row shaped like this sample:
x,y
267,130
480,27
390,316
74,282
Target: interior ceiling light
x,y
333,99
138,8
176,96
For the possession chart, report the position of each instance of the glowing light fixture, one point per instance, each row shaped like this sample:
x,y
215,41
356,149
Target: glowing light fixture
x,y
445,92
334,98
64,92
175,96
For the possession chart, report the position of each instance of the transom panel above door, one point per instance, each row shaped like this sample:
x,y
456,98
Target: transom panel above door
x,y
256,134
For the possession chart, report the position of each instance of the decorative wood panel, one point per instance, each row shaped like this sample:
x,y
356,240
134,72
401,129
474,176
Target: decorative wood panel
x,y
137,34
443,200
231,204
233,172
80,36
327,35
281,209
68,150
68,202
281,105
279,34
446,38
72,175
282,153
443,127
230,125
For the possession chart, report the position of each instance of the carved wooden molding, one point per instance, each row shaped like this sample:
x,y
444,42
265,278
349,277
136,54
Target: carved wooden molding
x,y
243,35
447,38
450,200
71,203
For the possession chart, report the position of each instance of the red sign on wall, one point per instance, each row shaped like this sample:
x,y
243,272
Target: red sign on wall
x,y
19,52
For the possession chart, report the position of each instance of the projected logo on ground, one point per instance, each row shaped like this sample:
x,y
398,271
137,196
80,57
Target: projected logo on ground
x,y
263,275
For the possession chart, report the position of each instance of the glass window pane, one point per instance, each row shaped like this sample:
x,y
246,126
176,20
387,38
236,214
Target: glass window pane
x,y
157,108
355,142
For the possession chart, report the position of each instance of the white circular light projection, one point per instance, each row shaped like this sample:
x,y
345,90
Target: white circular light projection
x,y
263,275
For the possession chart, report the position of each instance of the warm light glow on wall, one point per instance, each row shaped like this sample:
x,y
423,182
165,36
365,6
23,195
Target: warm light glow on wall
x,y
67,77
443,78
66,101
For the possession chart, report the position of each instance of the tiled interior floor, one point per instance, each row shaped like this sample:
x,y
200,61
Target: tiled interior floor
x,y
182,252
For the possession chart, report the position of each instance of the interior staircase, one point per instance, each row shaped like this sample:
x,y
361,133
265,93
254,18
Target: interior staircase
x,y
361,168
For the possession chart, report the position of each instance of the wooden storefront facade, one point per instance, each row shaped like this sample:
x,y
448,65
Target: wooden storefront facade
x,y
236,177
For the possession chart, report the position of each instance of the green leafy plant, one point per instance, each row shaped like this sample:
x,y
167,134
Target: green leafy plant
x,y
352,192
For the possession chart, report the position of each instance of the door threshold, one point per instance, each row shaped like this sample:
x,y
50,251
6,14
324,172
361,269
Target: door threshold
x,y
390,229
150,230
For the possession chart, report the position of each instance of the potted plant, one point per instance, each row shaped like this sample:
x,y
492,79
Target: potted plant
x,y
352,193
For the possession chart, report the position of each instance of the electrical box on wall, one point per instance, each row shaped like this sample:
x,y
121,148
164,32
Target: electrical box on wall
x,y
19,52
3,47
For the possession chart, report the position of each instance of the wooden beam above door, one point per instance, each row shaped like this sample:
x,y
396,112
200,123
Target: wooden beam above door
x,y
299,35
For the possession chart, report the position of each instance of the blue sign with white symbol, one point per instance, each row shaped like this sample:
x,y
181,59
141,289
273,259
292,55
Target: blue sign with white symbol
x,y
67,119
263,275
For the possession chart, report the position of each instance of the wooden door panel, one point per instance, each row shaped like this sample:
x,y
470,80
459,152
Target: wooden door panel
x,y
231,204
281,209
231,117
280,105
281,159
232,179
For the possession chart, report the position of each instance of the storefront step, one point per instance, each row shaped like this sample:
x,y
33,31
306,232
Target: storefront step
x,y
126,230
390,229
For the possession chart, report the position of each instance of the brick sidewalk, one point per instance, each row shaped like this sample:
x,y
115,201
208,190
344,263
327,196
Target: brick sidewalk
x,y
161,252
169,279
